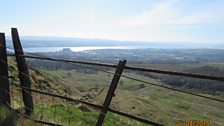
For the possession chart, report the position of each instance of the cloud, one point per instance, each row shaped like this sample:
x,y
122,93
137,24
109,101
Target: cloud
x,y
158,14
169,13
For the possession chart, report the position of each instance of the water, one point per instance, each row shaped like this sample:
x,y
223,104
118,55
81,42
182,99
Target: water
x,y
78,49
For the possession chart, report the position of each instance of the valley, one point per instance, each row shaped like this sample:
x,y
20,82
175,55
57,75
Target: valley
x,y
157,104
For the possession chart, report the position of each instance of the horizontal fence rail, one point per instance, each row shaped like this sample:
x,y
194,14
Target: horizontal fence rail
x,y
192,75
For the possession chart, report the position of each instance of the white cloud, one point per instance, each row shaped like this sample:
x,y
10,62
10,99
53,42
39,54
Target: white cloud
x,y
168,13
159,14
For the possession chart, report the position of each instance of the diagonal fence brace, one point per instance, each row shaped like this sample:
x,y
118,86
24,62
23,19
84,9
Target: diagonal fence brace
x,y
23,72
111,91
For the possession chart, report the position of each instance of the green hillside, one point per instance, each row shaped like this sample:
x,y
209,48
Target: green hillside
x,y
51,109
156,104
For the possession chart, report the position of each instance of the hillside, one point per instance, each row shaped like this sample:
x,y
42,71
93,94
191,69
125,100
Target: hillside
x,y
48,108
156,104
39,81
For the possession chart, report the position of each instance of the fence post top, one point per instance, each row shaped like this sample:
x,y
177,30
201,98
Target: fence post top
x,y
2,33
13,28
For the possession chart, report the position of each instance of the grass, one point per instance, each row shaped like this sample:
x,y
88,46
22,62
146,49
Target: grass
x,y
6,116
4,113
157,104
74,116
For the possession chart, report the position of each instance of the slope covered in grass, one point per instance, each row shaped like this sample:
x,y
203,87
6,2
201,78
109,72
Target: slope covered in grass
x,y
140,99
157,104
52,109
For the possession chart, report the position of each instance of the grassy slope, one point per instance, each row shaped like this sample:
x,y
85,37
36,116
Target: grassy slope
x,y
53,109
160,105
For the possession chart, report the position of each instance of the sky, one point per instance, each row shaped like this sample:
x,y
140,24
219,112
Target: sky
x,y
199,21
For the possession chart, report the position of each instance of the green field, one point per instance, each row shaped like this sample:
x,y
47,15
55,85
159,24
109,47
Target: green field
x,y
156,104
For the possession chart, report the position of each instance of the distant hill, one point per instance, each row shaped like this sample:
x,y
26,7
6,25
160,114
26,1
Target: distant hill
x,y
38,41
201,85
208,70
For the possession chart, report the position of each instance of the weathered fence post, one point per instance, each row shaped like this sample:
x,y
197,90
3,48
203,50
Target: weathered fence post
x,y
23,72
4,81
111,91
